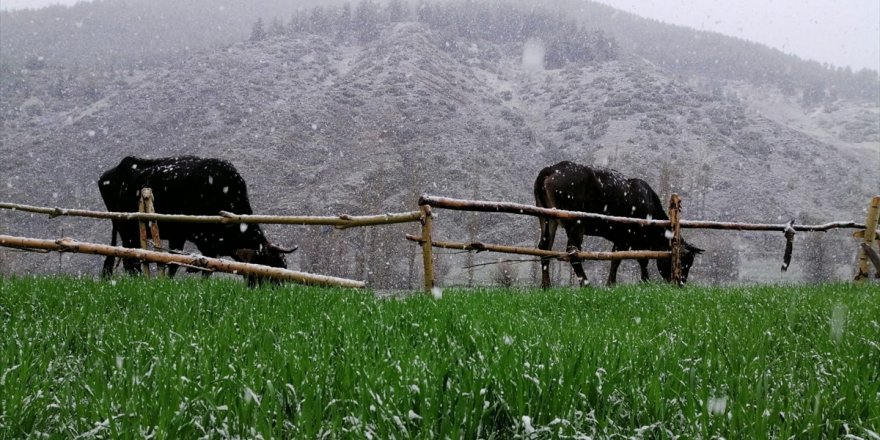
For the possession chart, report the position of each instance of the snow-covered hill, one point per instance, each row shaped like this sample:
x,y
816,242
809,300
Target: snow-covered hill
x,y
318,126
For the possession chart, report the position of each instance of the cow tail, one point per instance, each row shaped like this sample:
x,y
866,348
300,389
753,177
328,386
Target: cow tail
x,y
110,261
546,224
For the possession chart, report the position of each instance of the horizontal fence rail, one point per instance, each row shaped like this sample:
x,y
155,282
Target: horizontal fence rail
x,y
561,256
70,245
341,222
516,208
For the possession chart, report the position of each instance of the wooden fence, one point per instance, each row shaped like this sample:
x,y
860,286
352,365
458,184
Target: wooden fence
x,y
148,221
424,215
675,223
200,261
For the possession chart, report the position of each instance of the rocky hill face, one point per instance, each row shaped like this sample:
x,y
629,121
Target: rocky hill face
x,y
322,127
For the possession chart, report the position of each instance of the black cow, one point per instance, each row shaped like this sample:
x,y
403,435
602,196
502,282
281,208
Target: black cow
x,y
192,186
573,187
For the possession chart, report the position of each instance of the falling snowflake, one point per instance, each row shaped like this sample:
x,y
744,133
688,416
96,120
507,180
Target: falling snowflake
x,y
717,405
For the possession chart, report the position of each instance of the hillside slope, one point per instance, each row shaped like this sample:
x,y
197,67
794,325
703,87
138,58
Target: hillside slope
x,y
321,127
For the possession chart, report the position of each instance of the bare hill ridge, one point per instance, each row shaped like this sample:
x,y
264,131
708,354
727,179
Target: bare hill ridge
x,y
316,126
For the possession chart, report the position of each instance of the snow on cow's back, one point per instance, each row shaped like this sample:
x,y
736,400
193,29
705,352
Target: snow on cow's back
x,y
181,185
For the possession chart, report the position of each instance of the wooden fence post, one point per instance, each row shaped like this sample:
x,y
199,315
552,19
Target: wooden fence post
x,y
870,237
142,228
675,243
427,252
147,194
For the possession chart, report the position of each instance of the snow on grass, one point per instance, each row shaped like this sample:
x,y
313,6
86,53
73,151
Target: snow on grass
x,y
195,359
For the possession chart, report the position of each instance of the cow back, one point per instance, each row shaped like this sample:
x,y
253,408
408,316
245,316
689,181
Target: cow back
x,y
186,185
574,187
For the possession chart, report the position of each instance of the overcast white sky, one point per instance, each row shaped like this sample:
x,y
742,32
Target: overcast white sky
x,y
840,32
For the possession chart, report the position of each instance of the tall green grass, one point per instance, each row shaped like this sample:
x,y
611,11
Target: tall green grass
x,y
190,359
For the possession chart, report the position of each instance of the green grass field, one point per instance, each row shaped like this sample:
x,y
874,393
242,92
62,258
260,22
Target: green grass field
x,y
188,359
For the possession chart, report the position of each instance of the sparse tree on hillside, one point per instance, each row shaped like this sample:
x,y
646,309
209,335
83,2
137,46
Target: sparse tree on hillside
x,y
320,21
814,94
701,181
552,152
35,63
568,44
343,23
296,24
473,227
359,243
277,27
397,11
505,275
365,21
380,249
818,264
721,262
424,11
669,181
258,31
607,47
326,251
813,251
441,268
316,251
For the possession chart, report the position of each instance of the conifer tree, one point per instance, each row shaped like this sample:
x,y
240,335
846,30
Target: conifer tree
x,y
258,31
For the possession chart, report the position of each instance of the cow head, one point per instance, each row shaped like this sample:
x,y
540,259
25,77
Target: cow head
x,y
266,255
664,266
687,260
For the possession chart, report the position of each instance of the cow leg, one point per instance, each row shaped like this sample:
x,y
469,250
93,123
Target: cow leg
x,y
128,232
174,245
548,235
210,253
575,240
643,265
131,266
110,260
612,272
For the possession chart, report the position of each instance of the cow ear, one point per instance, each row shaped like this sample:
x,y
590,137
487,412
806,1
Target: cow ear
x,y
245,255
